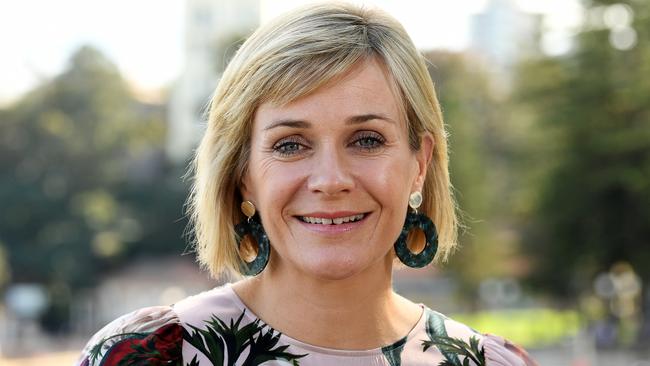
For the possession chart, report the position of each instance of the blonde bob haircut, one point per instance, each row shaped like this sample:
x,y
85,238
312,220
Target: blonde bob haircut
x,y
284,60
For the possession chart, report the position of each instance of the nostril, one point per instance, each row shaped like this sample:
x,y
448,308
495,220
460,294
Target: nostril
x,y
330,173
330,183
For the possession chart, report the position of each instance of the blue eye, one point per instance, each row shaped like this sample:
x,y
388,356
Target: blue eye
x,y
369,141
288,147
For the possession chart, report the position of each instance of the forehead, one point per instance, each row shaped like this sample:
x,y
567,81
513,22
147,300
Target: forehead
x,y
367,88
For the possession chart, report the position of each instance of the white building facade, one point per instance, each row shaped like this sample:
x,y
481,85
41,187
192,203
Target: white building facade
x,y
213,30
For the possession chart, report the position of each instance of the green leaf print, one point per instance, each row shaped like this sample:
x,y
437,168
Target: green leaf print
x,y
435,327
451,348
262,349
393,353
219,339
457,346
207,342
194,362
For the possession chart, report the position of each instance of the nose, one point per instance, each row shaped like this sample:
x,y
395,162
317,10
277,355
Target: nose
x,y
330,174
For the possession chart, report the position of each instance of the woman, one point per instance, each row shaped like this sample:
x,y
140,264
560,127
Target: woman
x,y
325,148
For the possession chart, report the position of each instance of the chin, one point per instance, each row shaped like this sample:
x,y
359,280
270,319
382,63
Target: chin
x,y
332,274
333,270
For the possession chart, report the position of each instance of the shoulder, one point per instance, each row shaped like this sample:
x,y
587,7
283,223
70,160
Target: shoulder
x,y
501,352
155,335
220,302
457,341
152,334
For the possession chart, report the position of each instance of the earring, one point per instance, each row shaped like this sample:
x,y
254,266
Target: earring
x,y
252,227
424,223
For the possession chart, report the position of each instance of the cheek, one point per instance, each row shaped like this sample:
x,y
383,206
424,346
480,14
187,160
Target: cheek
x,y
274,184
388,179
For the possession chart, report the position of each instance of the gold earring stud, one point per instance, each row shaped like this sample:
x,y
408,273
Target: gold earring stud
x,y
248,208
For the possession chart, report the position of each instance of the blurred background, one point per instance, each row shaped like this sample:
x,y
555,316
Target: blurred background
x,y
548,107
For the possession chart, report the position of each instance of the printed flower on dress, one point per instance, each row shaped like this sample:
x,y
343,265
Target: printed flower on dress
x,y
156,348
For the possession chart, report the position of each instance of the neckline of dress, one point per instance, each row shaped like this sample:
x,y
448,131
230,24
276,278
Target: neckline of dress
x,y
248,313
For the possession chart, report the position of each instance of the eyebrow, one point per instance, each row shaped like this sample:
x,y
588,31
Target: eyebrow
x,y
297,123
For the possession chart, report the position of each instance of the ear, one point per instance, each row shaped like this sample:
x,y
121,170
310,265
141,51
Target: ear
x,y
244,187
423,158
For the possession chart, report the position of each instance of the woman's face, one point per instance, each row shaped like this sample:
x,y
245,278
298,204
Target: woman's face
x,y
330,175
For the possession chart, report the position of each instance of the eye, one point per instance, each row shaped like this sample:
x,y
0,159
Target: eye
x,y
368,140
288,146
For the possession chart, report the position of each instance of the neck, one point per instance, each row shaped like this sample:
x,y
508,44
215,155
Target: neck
x,y
316,310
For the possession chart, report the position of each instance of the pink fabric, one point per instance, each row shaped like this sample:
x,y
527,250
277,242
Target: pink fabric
x,y
500,352
223,303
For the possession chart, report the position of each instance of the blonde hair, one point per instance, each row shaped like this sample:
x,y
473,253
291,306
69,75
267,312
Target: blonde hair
x,y
282,61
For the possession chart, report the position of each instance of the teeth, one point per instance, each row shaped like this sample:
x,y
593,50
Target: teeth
x,y
336,221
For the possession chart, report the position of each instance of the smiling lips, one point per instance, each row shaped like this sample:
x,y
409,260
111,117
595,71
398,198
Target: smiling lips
x,y
331,221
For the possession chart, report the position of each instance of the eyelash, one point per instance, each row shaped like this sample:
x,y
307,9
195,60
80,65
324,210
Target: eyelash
x,y
292,145
281,147
376,139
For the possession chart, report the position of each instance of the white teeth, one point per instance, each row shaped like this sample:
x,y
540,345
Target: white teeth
x,y
336,221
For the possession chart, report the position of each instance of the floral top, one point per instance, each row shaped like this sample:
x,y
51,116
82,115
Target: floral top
x,y
215,328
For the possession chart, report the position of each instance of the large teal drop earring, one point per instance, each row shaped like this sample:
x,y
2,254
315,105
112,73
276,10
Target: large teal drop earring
x,y
251,226
424,223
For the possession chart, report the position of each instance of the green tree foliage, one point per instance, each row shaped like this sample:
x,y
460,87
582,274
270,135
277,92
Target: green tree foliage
x,y
84,186
592,115
479,147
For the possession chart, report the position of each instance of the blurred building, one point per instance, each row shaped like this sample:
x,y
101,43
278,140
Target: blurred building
x,y
501,35
145,282
213,30
148,282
